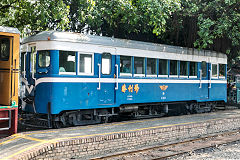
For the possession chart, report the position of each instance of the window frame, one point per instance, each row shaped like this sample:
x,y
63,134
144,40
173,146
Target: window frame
x,y
39,61
183,76
163,75
78,64
214,77
126,74
151,75
174,75
68,73
144,67
222,77
196,65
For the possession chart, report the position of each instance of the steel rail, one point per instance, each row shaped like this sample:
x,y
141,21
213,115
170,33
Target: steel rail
x,y
171,145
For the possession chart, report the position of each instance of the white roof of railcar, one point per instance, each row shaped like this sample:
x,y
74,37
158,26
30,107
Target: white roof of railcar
x,y
9,30
115,42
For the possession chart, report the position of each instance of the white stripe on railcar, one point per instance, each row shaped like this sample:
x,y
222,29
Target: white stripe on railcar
x,y
113,80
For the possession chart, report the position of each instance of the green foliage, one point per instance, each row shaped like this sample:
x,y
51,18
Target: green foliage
x,y
121,17
217,19
34,14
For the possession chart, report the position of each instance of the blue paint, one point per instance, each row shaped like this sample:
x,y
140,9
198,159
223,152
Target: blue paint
x,y
84,95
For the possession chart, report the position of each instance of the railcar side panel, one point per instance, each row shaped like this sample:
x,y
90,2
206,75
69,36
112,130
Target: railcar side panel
x,y
67,95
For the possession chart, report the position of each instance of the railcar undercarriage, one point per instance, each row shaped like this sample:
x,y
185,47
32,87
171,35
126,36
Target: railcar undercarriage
x,y
124,112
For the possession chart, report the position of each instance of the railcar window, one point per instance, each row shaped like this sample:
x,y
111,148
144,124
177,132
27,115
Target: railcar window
x,y
193,69
4,49
163,67
106,63
67,62
222,70
125,64
139,65
43,58
204,69
173,67
151,66
33,59
85,63
214,70
22,63
184,68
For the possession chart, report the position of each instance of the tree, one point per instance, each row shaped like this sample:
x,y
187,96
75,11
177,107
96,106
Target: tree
x,y
207,24
121,18
34,14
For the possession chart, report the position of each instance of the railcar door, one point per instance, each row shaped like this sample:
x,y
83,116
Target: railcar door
x,y
204,80
30,69
106,87
5,70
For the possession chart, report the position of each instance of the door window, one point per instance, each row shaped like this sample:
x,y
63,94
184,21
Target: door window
x,y
4,49
204,69
106,63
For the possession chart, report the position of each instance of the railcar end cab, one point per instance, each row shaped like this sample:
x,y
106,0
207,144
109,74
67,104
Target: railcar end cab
x,y
9,72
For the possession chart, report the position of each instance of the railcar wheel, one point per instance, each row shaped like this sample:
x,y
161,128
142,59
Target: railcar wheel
x,y
105,119
196,108
57,125
187,109
209,107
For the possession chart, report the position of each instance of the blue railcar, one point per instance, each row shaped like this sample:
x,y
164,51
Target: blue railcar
x,y
74,79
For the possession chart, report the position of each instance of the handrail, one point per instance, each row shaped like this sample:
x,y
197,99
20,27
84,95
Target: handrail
x,y
200,85
24,61
116,65
33,67
99,76
210,79
24,65
14,77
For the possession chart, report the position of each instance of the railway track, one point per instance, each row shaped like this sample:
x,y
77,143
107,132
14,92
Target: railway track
x,y
175,149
